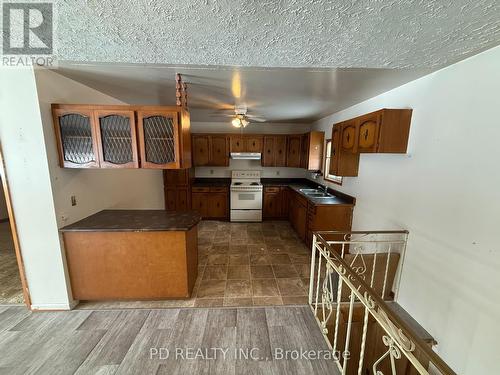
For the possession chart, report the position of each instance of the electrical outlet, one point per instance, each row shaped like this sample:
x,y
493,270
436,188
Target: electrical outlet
x,y
277,173
73,200
211,171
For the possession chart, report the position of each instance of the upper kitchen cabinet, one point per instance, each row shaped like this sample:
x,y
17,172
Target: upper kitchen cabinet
x,y
219,153
348,138
201,150
158,139
76,137
294,143
311,152
116,138
121,136
394,131
342,163
384,131
274,151
210,150
253,143
237,143
246,143
367,132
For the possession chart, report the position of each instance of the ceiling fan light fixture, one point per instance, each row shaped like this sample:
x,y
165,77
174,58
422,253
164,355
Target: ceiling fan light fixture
x,y
244,122
237,123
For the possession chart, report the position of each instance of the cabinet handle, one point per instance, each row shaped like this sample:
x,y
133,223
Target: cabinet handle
x,y
366,134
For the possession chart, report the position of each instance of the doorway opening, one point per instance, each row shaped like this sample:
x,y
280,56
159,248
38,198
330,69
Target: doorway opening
x,y
13,286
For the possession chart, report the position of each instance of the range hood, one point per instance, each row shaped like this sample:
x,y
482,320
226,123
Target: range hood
x,y
245,155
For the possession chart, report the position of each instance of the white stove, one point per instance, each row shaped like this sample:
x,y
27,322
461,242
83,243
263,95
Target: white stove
x,y
246,196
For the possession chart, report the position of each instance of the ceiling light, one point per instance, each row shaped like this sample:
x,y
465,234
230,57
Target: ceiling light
x,y
244,122
237,123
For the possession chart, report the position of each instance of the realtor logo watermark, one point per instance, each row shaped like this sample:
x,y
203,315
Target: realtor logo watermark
x,y
28,34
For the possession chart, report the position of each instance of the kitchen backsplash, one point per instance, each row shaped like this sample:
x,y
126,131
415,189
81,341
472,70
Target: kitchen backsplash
x,y
269,172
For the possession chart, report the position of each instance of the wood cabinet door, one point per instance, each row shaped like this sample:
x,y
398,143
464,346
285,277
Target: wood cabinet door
x,y
253,143
368,130
280,151
199,202
272,205
158,139
170,199
304,151
293,152
217,205
335,149
301,220
285,201
183,176
76,137
116,138
182,203
201,150
237,143
269,152
348,141
219,153
169,178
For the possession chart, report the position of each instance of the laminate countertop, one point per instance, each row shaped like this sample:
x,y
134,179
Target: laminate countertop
x,y
135,221
293,183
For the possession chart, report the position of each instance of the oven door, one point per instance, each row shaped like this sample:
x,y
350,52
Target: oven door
x,y
246,200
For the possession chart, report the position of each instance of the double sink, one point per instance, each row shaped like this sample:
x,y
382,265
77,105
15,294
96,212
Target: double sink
x,y
316,193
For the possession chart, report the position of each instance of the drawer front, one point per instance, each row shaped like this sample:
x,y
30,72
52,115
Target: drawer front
x,y
218,189
272,189
199,189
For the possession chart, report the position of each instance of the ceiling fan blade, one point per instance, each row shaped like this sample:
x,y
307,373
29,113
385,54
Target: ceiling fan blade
x,y
220,115
256,118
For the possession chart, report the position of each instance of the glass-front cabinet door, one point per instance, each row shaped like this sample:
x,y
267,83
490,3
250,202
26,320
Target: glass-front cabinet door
x,y
116,138
158,139
76,138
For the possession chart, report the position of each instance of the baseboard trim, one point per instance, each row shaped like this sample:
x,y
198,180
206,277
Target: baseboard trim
x,y
54,306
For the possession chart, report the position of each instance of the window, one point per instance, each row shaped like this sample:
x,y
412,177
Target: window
x,y
326,171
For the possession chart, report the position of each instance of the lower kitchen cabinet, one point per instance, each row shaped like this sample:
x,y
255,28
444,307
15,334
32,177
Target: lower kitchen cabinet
x,y
177,187
271,208
211,202
306,217
275,204
298,214
327,218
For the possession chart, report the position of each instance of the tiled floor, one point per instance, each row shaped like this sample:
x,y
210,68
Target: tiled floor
x,y
10,282
242,264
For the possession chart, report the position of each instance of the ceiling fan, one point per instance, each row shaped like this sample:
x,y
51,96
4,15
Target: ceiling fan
x,y
241,118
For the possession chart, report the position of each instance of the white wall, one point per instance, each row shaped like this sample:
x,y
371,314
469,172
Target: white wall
x,y
4,214
31,191
41,190
446,192
253,128
95,190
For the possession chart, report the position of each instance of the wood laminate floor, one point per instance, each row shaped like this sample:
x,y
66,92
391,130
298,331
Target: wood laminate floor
x,y
241,264
10,282
130,341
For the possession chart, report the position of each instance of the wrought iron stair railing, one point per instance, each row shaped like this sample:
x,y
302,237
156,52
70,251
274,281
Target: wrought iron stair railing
x,y
353,276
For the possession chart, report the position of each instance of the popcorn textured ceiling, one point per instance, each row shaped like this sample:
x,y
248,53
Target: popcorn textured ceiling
x,y
292,33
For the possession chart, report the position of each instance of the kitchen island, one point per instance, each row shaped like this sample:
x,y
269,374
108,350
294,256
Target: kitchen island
x,y
133,254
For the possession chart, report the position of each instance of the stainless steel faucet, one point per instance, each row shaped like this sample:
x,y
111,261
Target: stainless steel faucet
x,y
324,187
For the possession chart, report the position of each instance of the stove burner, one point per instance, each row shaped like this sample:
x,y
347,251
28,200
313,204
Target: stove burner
x,y
238,183
254,184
